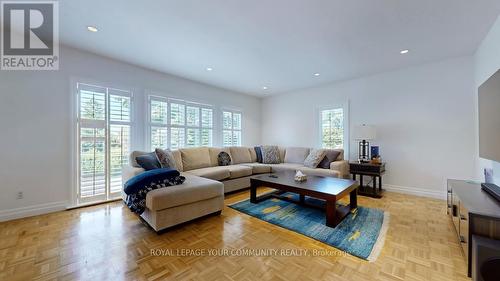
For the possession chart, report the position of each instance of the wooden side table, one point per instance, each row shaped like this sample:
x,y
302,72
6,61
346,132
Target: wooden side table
x,y
367,169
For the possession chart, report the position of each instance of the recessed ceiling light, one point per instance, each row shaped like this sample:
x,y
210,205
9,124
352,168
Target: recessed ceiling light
x,y
404,52
209,69
265,88
317,74
92,28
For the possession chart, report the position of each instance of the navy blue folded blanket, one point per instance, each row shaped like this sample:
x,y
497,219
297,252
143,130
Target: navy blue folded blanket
x,y
138,187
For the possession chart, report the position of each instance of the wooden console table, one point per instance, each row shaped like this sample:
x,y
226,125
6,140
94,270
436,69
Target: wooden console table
x,y
473,212
372,170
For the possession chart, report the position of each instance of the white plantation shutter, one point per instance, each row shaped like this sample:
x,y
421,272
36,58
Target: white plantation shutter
x,y
158,123
177,137
119,149
104,122
177,114
206,133
184,124
231,128
159,137
92,162
92,139
332,128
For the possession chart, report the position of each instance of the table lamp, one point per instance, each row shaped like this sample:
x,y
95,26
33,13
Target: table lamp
x,y
363,133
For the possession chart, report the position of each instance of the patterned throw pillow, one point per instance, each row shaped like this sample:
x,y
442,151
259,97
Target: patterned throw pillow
x,y
223,159
314,157
270,154
166,158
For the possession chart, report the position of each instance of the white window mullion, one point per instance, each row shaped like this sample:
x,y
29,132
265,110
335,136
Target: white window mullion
x,y
185,124
108,148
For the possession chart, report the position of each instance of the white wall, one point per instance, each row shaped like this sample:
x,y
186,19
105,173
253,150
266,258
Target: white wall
x,y
487,62
423,117
36,124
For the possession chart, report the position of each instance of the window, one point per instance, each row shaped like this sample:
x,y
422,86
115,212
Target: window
x,y
231,128
177,123
104,123
332,128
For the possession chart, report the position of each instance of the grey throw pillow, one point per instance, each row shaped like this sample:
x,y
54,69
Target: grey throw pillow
x,y
330,156
223,159
270,154
314,158
166,158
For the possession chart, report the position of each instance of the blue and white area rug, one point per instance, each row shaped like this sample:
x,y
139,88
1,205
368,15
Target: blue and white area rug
x,y
361,233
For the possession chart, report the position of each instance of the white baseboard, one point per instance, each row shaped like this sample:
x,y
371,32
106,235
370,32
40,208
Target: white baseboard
x,y
59,206
416,191
29,211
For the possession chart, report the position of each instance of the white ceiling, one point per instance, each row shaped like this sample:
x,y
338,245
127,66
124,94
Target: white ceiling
x,y
276,43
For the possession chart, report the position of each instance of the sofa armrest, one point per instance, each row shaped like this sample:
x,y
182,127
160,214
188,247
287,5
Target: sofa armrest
x,y
129,172
342,167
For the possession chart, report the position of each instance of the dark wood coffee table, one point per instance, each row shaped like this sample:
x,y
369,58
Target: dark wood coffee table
x,y
326,188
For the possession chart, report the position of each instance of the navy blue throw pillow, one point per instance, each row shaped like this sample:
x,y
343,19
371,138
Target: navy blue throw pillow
x,y
134,184
258,151
148,161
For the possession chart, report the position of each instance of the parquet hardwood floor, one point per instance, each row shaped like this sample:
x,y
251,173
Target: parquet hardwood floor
x,y
108,242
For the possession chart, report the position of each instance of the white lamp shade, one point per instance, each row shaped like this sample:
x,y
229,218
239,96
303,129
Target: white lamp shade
x,y
364,132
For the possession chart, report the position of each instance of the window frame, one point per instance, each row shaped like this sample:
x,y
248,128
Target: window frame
x,y
345,110
232,130
169,126
105,124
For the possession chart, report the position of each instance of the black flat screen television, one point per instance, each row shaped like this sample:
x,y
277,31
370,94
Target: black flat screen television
x,y
489,118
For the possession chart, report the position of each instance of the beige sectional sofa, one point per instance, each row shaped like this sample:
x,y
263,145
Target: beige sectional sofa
x,y
203,191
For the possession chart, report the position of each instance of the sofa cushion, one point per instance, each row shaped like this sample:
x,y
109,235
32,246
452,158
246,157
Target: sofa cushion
x,y
239,171
194,189
314,157
148,161
195,158
253,155
285,167
259,168
215,173
178,160
296,154
240,154
270,154
319,172
282,151
330,156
